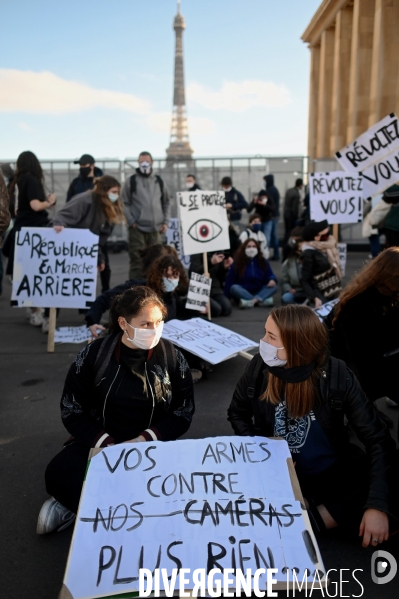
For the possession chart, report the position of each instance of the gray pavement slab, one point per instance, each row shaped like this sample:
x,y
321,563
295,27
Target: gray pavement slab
x,y
31,433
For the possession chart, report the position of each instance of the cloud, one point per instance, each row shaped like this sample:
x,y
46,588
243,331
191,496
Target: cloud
x,y
237,96
160,122
24,126
46,93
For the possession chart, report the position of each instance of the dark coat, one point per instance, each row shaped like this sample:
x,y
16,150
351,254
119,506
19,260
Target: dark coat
x,y
256,417
292,203
84,403
81,184
366,329
314,262
273,193
237,200
266,212
253,279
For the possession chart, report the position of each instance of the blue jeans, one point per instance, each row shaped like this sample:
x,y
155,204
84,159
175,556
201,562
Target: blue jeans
x,y
274,239
238,292
267,230
288,298
375,246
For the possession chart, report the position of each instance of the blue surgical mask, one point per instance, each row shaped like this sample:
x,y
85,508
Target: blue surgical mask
x,y
256,227
113,197
169,284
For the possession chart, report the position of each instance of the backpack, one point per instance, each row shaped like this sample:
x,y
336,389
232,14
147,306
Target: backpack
x,y
392,219
133,184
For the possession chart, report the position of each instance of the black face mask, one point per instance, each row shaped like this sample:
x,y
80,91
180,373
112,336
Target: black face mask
x,y
85,171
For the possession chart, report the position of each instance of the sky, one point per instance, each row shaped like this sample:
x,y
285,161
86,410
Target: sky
x,y
97,77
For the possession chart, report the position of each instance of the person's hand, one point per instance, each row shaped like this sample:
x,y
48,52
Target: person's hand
x,y
138,439
101,267
133,226
94,328
217,258
51,198
58,228
163,228
228,262
318,303
263,201
293,291
228,206
271,283
374,528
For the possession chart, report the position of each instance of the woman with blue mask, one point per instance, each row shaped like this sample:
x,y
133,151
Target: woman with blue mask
x,y
254,231
293,389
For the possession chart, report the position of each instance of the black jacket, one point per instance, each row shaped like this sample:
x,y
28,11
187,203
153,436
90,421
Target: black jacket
x,y
266,212
238,202
256,417
103,302
314,262
81,184
167,412
273,193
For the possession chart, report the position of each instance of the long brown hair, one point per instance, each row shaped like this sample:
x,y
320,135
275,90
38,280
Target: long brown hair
x,y
305,340
382,272
241,259
112,212
158,269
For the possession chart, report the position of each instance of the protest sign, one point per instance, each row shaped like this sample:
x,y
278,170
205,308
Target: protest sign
x,y
203,221
198,292
374,155
54,270
342,250
336,196
173,239
207,340
222,502
326,308
73,334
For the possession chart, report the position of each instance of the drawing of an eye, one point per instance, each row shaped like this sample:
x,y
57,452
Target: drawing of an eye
x,y
204,230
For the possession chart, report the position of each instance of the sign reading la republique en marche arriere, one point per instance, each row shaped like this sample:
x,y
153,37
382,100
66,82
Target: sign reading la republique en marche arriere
x,y
336,197
54,270
374,156
204,225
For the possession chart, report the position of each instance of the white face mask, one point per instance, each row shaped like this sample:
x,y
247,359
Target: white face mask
x,y
227,189
145,167
169,284
189,185
251,252
269,354
145,338
113,197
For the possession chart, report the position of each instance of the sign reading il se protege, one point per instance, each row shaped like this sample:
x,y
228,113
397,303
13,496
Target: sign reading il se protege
x,y
189,505
199,291
54,270
203,221
336,196
374,155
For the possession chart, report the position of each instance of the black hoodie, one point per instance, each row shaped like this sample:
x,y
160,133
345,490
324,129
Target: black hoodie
x,y
81,184
273,193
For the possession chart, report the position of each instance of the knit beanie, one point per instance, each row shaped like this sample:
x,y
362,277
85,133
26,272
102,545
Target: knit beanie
x,y
311,230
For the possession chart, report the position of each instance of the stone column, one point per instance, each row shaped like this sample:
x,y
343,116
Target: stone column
x,y
313,100
325,93
385,60
341,72
360,68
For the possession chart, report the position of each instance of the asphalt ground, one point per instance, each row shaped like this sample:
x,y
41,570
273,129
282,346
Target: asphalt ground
x,y
31,433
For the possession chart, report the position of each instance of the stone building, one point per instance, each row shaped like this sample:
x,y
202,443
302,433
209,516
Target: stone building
x,y
354,79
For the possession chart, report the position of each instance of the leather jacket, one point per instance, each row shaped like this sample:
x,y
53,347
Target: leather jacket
x,y
253,416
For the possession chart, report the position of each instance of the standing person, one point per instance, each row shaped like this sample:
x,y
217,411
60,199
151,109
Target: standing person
x,y
292,389
88,172
191,183
31,209
98,210
274,194
264,206
254,231
235,201
292,207
131,386
146,200
5,218
250,279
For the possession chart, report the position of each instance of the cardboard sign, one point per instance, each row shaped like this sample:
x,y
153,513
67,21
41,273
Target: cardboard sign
x,y
54,270
173,239
73,334
343,250
326,308
203,221
198,292
223,502
336,196
374,155
209,341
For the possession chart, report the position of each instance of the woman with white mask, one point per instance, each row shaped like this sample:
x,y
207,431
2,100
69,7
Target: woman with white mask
x,y
250,279
131,386
293,389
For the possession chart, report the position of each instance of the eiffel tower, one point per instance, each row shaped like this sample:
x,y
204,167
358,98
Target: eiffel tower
x,y
179,148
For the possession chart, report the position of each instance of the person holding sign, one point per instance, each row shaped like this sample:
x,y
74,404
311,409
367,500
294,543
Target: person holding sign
x,y
130,386
250,279
292,389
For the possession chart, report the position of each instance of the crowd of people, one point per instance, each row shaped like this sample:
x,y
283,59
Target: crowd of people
x,y
310,381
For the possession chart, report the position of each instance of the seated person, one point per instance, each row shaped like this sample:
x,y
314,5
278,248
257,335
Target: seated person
x,y
254,231
294,395
291,271
131,386
219,264
250,279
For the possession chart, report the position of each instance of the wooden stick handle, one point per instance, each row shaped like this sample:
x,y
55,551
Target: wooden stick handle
x,y
206,273
51,330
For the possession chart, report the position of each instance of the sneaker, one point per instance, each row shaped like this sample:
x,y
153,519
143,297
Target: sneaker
x,y
390,403
267,302
196,375
53,516
45,325
28,313
246,303
36,318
